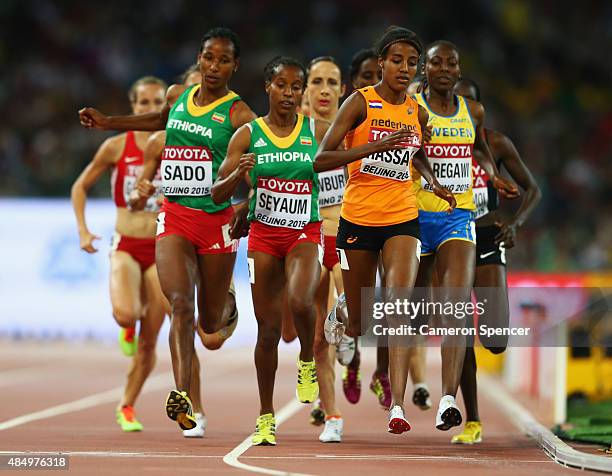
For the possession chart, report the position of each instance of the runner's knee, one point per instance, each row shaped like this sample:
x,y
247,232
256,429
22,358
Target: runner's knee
x,y
495,350
268,336
125,316
300,306
183,307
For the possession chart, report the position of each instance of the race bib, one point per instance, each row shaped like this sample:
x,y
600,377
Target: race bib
x,y
392,164
480,190
331,187
481,200
452,166
186,171
283,202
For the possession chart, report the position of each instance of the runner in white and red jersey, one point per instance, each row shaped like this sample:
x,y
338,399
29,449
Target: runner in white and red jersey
x,y
134,287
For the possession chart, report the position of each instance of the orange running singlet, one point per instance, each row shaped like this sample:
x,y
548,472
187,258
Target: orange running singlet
x,y
379,190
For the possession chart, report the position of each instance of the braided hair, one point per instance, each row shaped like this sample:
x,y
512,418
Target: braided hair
x,y
271,69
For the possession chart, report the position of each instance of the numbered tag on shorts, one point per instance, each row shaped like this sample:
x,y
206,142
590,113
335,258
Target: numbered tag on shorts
x,y
161,223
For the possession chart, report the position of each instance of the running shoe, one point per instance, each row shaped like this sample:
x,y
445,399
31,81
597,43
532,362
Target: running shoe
x,y
421,397
397,421
265,431
317,414
381,387
351,384
128,341
448,414
200,428
332,433
127,419
334,326
345,350
472,433
179,409
307,389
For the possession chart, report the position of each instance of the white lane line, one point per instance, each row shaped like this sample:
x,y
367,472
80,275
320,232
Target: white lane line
x,y
154,383
290,409
117,454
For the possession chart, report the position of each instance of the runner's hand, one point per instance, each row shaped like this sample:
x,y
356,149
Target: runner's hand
x,y
505,187
145,188
239,226
444,194
396,140
247,162
427,133
86,241
92,118
136,202
507,233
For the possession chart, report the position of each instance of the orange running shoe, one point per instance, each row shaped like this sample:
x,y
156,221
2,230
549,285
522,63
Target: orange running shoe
x,y
126,417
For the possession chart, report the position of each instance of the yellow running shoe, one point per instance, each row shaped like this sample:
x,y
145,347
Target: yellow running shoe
x,y
265,431
307,389
472,433
179,409
127,419
128,341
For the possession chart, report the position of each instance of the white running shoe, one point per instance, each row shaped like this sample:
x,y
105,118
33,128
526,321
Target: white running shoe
x,y
200,428
448,414
397,421
334,326
332,433
345,350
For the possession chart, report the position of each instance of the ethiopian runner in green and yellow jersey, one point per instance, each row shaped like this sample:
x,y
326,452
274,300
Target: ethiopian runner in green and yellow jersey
x,y
194,246
274,154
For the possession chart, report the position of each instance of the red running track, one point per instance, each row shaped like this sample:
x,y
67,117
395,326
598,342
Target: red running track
x,y
37,377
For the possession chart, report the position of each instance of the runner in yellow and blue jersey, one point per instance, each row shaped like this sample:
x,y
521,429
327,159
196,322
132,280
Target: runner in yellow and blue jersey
x,y
449,237
275,155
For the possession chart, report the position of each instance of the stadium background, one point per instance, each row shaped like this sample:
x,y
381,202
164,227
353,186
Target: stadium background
x,y
542,66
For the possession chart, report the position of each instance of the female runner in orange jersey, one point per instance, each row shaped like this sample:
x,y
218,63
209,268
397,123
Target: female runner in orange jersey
x,y
379,214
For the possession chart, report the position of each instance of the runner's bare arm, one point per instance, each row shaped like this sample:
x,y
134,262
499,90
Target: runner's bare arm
x,y
241,115
351,114
152,159
522,176
91,118
173,93
421,163
104,159
236,165
485,159
321,128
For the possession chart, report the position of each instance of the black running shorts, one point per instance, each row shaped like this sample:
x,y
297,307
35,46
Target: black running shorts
x,y
487,252
372,238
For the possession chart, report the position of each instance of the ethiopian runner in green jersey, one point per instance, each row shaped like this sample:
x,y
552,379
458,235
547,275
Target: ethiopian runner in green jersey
x,y
194,242
274,154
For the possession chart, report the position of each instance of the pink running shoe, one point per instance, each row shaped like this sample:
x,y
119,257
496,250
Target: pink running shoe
x,y
381,388
351,384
